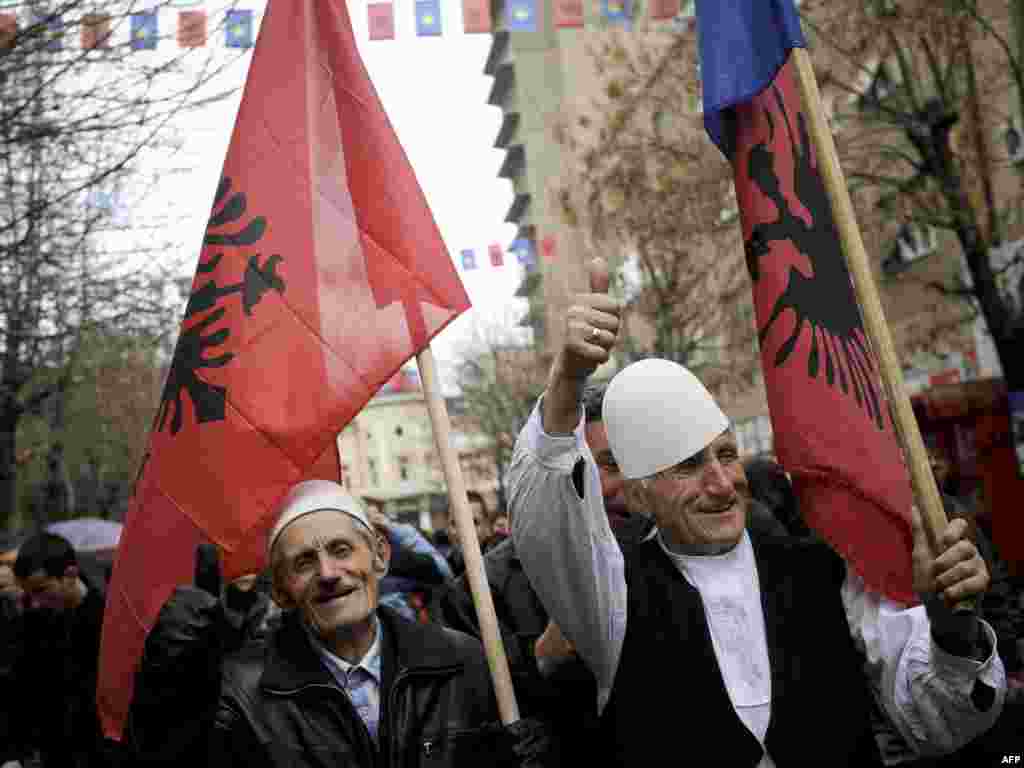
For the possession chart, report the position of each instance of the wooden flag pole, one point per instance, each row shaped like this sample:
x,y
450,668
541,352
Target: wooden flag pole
x,y
933,515
493,646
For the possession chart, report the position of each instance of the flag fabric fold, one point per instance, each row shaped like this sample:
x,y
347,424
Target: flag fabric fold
x,y
742,45
832,425
322,271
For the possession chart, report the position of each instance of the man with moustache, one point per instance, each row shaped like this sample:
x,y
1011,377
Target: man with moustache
x,y
547,687
761,651
343,681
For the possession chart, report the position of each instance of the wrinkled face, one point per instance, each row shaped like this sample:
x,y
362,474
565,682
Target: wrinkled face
x,y
613,484
48,594
701,503
480,522
329,566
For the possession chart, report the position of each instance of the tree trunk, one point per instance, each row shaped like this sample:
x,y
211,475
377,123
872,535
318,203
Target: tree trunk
x,y
9,413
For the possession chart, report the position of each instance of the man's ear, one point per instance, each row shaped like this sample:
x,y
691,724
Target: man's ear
x,y
282,598
636,497
381,554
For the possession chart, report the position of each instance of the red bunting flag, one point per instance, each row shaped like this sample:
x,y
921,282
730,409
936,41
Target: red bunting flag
x,y
568,13
832,427
476,16
191,29
8,30
95,31
308,296
497,255
381,18
547,247
664,9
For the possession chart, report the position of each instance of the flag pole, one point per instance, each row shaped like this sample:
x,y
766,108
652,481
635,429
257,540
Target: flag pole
x,y
933,515
482,601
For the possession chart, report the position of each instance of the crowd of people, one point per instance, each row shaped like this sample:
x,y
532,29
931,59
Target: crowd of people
x,y
657,595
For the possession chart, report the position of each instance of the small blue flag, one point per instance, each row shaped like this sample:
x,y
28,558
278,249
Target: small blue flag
x,y
468,258
618,11
743,43
523,249
522,15
144,31
428,18
52,31
238,29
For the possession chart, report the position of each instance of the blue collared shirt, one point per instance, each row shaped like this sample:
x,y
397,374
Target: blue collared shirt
x,y
360,681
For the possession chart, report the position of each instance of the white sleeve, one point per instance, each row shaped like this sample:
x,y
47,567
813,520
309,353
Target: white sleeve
x,y
566,545
924,692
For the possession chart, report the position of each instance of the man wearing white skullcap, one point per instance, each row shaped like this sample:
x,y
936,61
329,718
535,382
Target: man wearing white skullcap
x,y
341,681
761,651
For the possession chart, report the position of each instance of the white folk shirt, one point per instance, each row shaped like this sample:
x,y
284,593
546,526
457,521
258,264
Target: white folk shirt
x,y
576,567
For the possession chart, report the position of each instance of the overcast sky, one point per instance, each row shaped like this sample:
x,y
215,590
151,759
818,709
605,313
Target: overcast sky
x,y
435,94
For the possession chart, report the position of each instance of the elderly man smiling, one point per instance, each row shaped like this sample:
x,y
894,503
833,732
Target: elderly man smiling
x,y
342,681
712,644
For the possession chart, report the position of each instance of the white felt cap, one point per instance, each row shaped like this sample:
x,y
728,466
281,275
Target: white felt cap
x,y
657,414
314,496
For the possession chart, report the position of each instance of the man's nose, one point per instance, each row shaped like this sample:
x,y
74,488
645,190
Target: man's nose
x,y
716,479
329,567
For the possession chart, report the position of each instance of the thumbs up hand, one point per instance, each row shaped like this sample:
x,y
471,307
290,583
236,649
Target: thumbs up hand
x,y
591,330
592,326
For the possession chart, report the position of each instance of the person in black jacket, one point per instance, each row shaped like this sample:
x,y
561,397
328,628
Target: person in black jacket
x,y
340,681
53,694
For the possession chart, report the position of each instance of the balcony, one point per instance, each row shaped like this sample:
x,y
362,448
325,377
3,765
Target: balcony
x,y
499,46
519,206
512,165
504,79
509,125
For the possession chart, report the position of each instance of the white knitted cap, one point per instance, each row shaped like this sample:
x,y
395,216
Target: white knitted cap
x,y
314,496
657,414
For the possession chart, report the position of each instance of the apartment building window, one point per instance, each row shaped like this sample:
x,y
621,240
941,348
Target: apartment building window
x,y
374,474
403,467
1014,140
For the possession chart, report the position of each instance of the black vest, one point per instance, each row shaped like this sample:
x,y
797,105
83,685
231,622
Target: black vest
x,y
669,703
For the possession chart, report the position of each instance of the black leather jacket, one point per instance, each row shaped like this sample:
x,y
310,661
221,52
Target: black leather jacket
x,y
279,706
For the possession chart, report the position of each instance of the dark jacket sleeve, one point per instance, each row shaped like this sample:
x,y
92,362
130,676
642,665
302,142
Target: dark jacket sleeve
x,y
178,682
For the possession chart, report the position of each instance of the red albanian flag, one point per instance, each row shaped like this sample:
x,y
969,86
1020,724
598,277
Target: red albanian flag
x,y
321,272
833,428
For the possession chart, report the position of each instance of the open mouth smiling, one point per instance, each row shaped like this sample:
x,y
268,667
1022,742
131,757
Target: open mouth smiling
x,y
339,595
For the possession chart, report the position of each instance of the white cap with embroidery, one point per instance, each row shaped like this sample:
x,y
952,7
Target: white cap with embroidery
x,y
313,496
657,414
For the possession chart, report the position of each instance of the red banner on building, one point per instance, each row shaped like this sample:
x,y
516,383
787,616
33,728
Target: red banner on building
x,y
568,13
476,16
